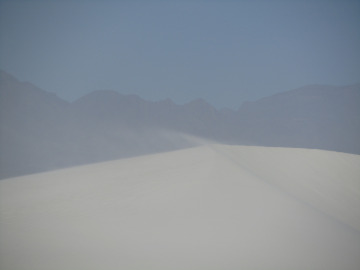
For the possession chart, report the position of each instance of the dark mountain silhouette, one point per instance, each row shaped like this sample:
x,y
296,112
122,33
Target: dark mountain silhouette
x,y
30,123
39,131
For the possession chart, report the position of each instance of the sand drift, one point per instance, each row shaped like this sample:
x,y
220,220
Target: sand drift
x,y
209,207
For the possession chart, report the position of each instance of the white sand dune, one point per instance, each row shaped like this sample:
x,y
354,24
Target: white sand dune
x,y
210,207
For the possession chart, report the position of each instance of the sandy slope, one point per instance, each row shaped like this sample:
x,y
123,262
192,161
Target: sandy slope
x,y
211,207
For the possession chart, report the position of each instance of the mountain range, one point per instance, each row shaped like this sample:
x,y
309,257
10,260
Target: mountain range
x,y
40,131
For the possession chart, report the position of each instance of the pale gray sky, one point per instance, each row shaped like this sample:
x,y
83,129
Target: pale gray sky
x,y
226,52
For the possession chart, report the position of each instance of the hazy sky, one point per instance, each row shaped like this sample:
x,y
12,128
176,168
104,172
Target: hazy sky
x,y
226,52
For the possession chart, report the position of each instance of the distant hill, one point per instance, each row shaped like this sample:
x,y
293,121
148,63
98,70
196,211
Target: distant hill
x,y
324,117
39,131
